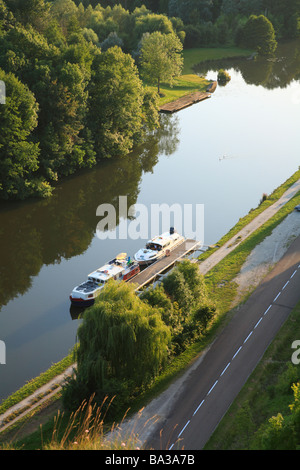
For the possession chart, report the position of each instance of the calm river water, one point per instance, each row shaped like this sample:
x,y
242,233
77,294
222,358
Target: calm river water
x,y
224,153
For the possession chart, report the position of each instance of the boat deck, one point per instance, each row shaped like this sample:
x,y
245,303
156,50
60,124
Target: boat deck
x,y
184,102
156,269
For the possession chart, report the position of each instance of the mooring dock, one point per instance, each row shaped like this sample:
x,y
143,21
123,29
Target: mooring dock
x,y
184,102
155,270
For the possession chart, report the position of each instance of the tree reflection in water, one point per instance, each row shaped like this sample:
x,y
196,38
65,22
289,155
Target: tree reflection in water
x,y
278,71
43,232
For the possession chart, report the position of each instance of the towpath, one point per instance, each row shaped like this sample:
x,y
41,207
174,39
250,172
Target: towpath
x,y
164,401
245,232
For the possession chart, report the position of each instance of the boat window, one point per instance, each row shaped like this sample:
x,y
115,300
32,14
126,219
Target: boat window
x,y
154,246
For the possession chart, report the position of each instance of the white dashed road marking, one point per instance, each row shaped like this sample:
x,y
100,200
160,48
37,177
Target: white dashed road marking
x,y
236,353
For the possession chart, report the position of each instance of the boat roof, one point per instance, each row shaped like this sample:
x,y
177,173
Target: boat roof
x,y
163,238
110,269
87,287
106,272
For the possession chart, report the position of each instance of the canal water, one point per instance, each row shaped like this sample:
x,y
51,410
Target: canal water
x,y
223,153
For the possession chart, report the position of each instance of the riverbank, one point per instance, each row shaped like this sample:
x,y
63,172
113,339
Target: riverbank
x,y
189,82
196,55
185,84
166,388
272,232
226,230
182,86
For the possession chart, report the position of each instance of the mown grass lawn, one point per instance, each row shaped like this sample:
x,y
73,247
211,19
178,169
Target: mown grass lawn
x,y
193,57
183,85
189,82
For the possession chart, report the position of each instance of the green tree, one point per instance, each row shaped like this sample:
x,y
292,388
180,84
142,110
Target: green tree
x,y
192,11
31,12
18,153
63,11
287,13
258,33
64,138
158,298
151,22
6,17
195,281
161,59
116,103
241,7
112,40
179,292
282,432
123,344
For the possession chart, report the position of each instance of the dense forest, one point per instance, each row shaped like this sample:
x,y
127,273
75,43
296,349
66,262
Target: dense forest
x,y
75,94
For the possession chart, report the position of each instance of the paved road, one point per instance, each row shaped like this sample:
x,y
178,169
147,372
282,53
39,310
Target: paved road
x,y
217,380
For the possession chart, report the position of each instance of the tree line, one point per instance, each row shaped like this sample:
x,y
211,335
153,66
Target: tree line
x,y
210,22
69,104
75,74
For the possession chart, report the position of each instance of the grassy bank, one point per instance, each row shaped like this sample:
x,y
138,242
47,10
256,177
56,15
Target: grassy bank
x,y
183,85
193,56
271,199
222,288
189,82
34,384
220,280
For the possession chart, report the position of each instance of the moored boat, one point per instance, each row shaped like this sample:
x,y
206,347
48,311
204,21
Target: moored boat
x,y
121,268
159,247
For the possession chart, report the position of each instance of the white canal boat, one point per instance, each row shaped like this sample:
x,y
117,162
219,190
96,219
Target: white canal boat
x,y
159,247
121,268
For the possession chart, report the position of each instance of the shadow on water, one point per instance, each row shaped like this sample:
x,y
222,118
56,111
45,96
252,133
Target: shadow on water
x,y
44,232
277,71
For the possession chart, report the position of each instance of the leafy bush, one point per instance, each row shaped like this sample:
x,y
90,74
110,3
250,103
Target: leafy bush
x,y
223,77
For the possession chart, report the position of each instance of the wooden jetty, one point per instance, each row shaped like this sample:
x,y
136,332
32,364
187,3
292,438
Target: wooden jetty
x,y
155,270
212,86
184,102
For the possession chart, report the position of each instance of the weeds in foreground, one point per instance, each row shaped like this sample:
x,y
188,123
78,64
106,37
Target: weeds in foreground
x,y
86,431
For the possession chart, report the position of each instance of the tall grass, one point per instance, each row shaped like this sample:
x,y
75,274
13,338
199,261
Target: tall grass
x,y
86,430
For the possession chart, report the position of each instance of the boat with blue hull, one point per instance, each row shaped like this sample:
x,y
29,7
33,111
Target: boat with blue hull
x,y
121,268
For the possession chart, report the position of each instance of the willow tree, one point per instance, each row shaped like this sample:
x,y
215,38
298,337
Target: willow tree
x,y
123,343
